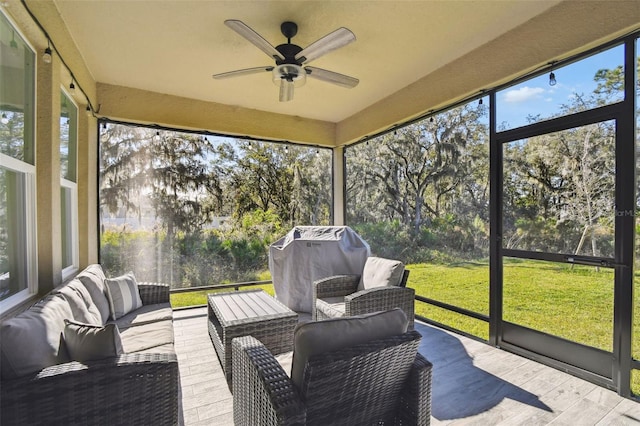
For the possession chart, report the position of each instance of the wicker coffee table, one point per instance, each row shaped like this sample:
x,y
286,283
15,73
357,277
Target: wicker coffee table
x,y
249,313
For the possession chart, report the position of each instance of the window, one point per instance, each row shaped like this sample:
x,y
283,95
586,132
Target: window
x,y
68,186
18,273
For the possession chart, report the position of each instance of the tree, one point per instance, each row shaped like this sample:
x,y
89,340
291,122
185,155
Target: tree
x,y
292,181
416,172
169,170
164,173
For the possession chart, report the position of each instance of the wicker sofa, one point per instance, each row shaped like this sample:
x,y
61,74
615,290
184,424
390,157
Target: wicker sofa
x,y
42,384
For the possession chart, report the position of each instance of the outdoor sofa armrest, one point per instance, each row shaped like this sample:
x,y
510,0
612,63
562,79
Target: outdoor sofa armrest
x,y
128,389
382,299
415,400
263,394
335,286
152,293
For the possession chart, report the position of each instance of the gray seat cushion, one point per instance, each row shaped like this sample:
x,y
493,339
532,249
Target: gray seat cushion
x,y
333,307
146,336
314,338
34,339
167,348
145,315
285,360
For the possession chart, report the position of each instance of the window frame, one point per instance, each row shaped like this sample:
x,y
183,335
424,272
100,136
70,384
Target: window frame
x,y
69,271
28,171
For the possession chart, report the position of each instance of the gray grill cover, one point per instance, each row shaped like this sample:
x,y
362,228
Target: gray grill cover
x,y
308,253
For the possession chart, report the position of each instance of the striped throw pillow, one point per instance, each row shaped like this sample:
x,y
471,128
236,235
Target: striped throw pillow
x,y
123,295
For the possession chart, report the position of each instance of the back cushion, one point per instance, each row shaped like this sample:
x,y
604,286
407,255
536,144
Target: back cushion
x,y
81,303
33,339
93,280
379,272
314,338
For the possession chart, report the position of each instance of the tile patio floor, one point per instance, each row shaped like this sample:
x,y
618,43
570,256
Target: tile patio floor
x,y
473,384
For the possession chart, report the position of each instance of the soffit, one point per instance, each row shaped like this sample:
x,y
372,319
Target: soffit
x,y
174,46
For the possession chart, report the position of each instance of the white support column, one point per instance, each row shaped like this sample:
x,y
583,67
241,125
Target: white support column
x,y
338,186
87,184
48,174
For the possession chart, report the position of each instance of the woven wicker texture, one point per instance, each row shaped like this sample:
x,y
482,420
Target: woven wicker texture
x,y
125,390
129,389
364,301
274,328
263,393
383,382
153,293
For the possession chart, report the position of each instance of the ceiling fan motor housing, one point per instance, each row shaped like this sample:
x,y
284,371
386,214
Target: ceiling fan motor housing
x,y
289,69
289,51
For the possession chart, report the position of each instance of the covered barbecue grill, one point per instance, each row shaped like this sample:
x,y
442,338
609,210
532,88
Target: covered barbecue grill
x,y
308,253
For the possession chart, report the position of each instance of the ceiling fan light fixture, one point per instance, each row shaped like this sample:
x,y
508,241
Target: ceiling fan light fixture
x,y
286,90
290,73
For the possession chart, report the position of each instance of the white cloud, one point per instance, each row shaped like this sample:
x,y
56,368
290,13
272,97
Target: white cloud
x,y
523,94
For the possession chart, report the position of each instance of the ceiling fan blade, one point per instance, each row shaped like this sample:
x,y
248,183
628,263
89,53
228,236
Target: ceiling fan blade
x,y
254,38
245,71
332,77
332,41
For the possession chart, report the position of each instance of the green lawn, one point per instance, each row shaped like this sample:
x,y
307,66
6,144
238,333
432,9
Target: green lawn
x,y
573,303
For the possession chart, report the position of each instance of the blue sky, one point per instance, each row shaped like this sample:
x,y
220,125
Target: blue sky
x,y
536,96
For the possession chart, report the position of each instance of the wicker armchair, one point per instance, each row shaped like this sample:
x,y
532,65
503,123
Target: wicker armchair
x,y
340,296
393,383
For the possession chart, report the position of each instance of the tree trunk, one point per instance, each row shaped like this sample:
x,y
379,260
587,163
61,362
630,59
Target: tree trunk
x,y
582,240
418,218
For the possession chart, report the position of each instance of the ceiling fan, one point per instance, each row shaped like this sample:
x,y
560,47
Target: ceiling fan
x,y
288,71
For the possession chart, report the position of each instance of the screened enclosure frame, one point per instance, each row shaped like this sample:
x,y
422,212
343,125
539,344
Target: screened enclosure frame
x,y
624,114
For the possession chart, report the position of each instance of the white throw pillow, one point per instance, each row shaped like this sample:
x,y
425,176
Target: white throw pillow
x,y
123,295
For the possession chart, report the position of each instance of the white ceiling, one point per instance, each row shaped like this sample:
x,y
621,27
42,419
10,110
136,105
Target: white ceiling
x,y
174,46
